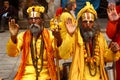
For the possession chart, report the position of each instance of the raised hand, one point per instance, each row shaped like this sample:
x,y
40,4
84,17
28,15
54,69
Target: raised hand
x,y
112,13
70,25
13,28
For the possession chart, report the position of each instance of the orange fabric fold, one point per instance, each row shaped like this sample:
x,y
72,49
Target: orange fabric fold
x,y
50,55
26,49
26,45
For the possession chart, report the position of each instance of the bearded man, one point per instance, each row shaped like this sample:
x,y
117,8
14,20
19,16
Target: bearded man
x,y
90,51
37,46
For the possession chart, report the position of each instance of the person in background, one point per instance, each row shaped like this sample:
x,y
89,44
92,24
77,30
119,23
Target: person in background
x,y
71,7
88,55
37,46
81,3
6,12
113,28
54,22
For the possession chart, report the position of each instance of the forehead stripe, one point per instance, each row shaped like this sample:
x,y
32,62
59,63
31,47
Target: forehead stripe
x,y
33,14
90,16
85,15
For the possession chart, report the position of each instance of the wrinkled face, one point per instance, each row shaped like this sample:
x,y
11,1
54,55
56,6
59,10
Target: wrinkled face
x,y
88,30
87,20
34,20
35,25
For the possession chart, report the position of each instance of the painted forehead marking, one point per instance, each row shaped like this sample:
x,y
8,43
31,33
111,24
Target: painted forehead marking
x,y
88,16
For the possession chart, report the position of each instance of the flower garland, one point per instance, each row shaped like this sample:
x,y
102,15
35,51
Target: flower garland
x,y
92,58
39,9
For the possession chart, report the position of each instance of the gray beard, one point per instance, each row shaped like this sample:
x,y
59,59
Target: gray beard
x,y
35,29
88,34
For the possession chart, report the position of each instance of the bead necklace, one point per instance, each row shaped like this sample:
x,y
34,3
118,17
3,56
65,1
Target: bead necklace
x,y
90,56
36,57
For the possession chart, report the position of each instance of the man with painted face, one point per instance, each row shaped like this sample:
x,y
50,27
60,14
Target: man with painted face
x,y
90,49
37,46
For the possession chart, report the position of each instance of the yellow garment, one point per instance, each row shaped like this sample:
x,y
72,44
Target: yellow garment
x,y
29,73
68,42
88,8
54,23
79,69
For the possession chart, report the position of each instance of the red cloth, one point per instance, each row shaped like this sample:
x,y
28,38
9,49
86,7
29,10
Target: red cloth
x,y
113,32
59,11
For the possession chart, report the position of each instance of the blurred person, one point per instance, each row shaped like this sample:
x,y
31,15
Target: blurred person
x,y
113,28
81,3
71,7
89,50
63,30
6,12
37,46
54,22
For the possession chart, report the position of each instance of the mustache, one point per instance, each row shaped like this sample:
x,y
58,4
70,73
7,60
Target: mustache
x,y
35,29
34,25
88,33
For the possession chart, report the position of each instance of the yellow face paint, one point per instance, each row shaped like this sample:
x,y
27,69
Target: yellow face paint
x,y
88,17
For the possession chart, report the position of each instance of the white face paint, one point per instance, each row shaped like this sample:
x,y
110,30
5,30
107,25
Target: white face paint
x,y
34,14
88,17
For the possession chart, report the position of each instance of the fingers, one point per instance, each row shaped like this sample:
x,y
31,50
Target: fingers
x,y
111,7
68,21
11,22
114,46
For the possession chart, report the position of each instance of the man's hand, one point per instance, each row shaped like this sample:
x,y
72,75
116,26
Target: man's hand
x,y
114,46
112,13
13,28
71,26
56,33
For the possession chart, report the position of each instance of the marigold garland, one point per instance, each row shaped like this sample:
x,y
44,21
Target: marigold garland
x,y
39,9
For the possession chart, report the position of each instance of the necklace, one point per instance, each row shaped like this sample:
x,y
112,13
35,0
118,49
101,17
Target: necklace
x,y
36,57
91,56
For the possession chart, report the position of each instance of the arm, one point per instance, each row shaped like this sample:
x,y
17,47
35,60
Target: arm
x,y
14,43
109,53
111,29
13,49
113,15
